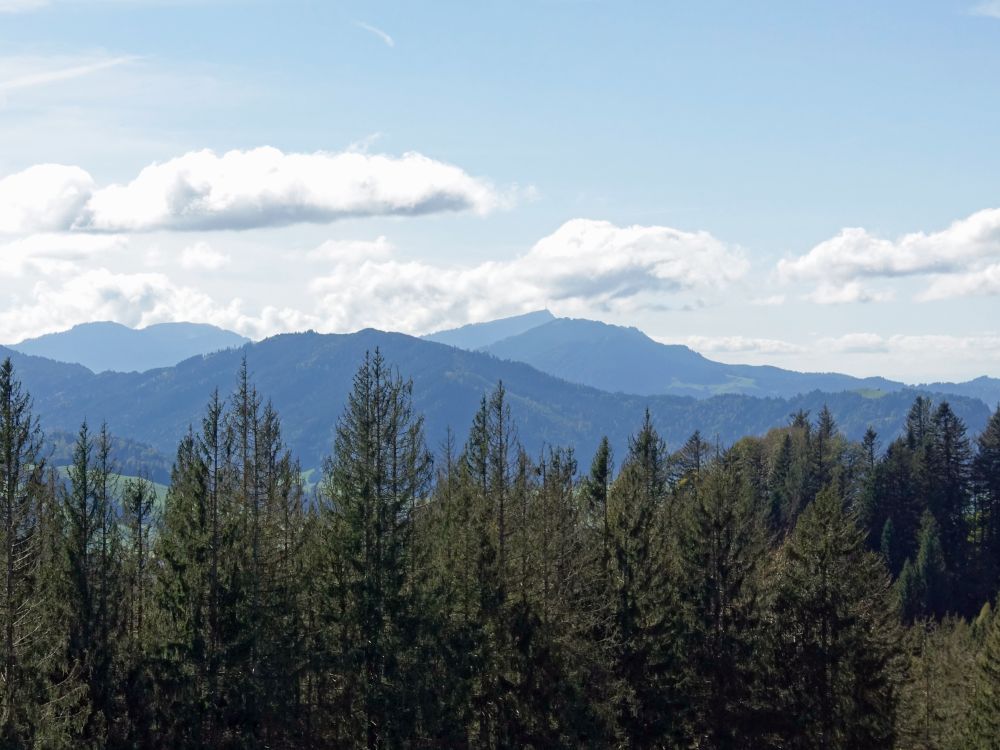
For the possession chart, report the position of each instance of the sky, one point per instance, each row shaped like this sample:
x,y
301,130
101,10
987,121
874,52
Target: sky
x,y
814,185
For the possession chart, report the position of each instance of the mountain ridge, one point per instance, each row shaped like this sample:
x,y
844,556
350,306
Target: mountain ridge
x,y
106,345
307,377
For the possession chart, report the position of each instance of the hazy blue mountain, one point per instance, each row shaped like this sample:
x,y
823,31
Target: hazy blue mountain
x,y
307,376
479,335
618,359
984,388
112,346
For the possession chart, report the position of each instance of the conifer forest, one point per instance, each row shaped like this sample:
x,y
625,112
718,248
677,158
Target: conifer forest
x,y
792,590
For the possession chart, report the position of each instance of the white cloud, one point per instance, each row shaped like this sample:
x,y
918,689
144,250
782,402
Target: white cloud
x,y
44,77
773,300
846,293
388,40
740,345
20,6
854,253
203,256
52,254
265,187
985,281
583,267
974,346
261,187
44,197
340,251
136,300
990,8
964,249
856,343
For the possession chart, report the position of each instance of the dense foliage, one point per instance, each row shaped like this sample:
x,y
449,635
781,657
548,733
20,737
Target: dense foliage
x,y
796,590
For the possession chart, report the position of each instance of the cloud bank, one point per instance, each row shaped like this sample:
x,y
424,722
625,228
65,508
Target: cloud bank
x,y
583,267
261,187
956,258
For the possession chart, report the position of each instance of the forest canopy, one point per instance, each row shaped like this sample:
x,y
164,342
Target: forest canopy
x,y
791,590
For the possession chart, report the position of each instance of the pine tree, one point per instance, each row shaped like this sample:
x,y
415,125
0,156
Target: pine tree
x,y
781,505
184,660
722,549
836,635
372,485
935,696
986,515
949,479
902,500
644,631
922,587
139,522
38,693
487,622
826,447
983,731
931,568
867,508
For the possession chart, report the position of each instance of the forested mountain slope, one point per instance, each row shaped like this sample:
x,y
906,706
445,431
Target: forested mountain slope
x,y
479,335
615,358
308,377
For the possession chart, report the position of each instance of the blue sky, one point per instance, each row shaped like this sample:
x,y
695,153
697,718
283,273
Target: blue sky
x,y
689,168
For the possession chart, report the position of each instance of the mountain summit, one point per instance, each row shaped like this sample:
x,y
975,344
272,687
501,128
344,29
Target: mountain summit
x,y
105,345
478,335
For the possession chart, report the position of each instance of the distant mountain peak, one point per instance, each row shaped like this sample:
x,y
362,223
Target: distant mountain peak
x,y
479,335
106,345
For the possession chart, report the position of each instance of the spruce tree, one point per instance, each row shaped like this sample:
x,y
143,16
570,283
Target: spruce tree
x,y
986,516
722,550
836,636
184,660
983,731
949,479
373,484
644,657
935,696
39,697
139,521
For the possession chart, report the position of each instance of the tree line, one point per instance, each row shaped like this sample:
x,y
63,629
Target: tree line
x,y
796,590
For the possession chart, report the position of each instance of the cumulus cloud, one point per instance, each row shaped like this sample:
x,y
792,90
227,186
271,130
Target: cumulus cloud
x,y
583,267
136,300
43,198
854,253
840,263
985,281
202,256
261,187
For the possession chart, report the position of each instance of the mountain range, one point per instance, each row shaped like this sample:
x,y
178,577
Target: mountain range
x,y
619,359
104,345
308,375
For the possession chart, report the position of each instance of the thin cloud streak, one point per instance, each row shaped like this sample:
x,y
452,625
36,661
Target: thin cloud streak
x,y
20,6
990,9
389,41
63,74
